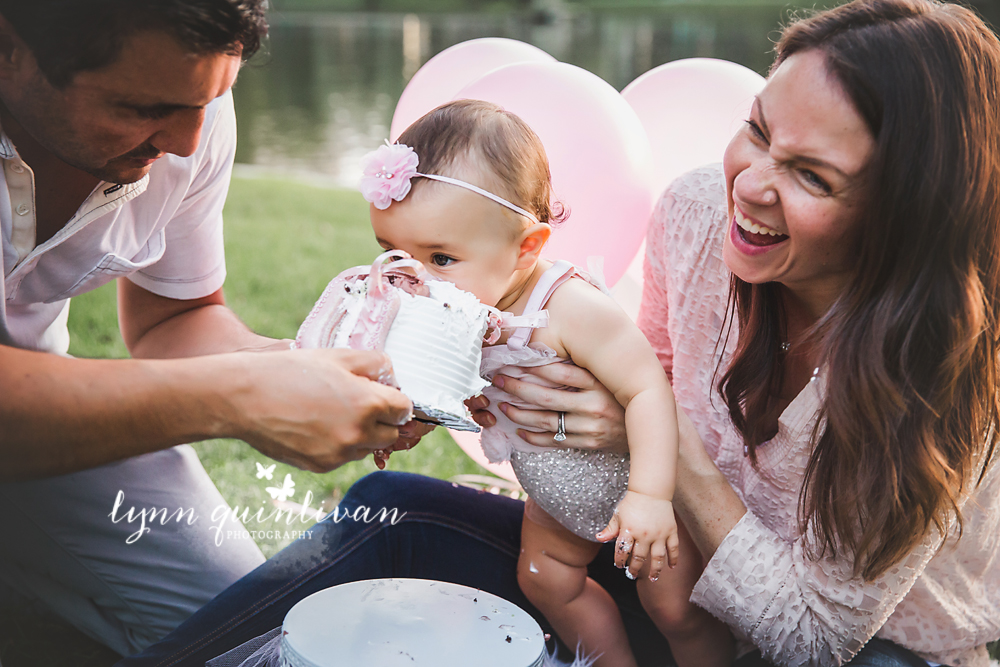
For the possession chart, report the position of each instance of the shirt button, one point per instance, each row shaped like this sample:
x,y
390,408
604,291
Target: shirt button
x,y
23,209
16,168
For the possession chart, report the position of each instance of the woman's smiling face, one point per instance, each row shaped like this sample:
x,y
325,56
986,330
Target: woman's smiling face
x,y
795,183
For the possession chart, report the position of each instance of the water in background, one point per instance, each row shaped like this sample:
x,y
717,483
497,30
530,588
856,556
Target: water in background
x,y
324,93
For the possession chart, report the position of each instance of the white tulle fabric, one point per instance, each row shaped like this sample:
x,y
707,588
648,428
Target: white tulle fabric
x,y
943,604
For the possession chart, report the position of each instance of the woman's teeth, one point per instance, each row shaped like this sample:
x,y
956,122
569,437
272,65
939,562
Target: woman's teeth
x,y
754,228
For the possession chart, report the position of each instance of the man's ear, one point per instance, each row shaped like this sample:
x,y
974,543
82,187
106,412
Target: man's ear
x,y
13,50
533,239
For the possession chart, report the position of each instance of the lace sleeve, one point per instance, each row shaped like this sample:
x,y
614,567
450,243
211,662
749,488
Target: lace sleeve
x,y
654,315
796,610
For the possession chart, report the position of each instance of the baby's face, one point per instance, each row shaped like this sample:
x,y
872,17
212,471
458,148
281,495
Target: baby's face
x,y
459,236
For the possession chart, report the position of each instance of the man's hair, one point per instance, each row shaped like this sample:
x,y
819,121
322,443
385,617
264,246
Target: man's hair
x,y
72,36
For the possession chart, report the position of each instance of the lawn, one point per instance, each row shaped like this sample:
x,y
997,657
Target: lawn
x,y
284,242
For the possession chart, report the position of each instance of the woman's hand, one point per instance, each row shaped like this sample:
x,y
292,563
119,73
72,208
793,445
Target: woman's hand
x,y
646,532
594,418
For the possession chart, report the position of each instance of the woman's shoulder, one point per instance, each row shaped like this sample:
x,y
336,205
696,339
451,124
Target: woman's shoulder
x,y
689,217
706,185
685,292
686,233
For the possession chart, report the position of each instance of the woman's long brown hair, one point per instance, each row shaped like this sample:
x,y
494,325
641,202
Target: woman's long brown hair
x,y
910,349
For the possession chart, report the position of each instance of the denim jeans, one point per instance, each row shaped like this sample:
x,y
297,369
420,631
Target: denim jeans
x,y
448,533
70,558
876,653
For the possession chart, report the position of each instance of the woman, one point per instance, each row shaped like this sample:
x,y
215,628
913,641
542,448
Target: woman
x,y
859,217
843,487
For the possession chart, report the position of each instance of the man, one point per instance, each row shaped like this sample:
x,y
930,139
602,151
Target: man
x,y
117,137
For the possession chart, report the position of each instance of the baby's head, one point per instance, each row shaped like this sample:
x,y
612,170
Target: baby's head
x,y
483,245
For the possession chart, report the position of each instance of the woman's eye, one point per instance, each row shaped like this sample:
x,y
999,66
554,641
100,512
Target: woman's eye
x,y
812,179
441,260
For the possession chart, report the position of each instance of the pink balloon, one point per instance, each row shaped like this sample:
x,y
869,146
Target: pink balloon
x,y
448,72
628,291
691,109
598,153
469,442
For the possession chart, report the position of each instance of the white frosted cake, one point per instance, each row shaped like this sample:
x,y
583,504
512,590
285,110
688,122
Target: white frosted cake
x,y
431,330
405,623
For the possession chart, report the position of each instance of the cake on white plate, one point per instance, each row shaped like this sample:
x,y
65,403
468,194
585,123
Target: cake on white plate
x,y
432,331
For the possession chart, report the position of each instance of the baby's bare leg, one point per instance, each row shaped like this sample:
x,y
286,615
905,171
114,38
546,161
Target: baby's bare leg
x,y
552,572
696,637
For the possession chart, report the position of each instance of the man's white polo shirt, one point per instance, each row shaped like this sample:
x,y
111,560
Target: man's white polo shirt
x,y
164,233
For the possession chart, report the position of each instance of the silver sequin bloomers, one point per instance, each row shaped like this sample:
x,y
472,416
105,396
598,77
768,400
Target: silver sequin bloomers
x,y
579,489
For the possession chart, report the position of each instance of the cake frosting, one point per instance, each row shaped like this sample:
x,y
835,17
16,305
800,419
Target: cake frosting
x,y
432,331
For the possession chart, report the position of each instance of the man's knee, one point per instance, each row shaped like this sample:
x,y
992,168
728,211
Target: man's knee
x,y
393,494
375,487
881,653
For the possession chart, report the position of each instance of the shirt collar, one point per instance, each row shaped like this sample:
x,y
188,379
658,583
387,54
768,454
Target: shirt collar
x,y
105,193
7,150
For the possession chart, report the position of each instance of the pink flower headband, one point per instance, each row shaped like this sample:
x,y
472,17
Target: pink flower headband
x,y
387,174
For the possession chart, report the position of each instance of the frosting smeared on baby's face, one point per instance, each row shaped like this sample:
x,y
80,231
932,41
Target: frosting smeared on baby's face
x,y
460,236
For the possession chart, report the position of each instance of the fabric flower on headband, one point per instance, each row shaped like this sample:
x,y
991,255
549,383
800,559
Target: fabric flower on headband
x,y
387,174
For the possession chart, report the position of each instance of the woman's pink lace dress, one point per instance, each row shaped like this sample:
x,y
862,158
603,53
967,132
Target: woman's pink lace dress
x,y
942,604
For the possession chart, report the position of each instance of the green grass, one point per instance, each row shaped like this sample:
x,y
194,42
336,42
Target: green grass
x,y
417,6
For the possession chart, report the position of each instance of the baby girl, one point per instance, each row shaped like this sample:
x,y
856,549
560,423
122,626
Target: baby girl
x,y
478,213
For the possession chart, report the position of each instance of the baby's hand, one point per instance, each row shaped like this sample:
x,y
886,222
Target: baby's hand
x,y
381,457
409,435
646,532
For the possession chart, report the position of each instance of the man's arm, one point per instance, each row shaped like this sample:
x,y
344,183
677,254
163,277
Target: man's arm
x,y
157,327
316,409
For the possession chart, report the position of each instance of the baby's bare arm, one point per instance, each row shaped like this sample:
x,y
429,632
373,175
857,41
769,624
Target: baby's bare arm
x,y
597,334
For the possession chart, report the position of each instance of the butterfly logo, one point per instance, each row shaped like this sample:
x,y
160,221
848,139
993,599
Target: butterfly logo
x,y
267,472
284,492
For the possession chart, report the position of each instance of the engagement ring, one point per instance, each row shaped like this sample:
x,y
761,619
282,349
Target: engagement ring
x,y
561,433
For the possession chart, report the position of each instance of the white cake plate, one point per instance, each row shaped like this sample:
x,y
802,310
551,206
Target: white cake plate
x,y
411,622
